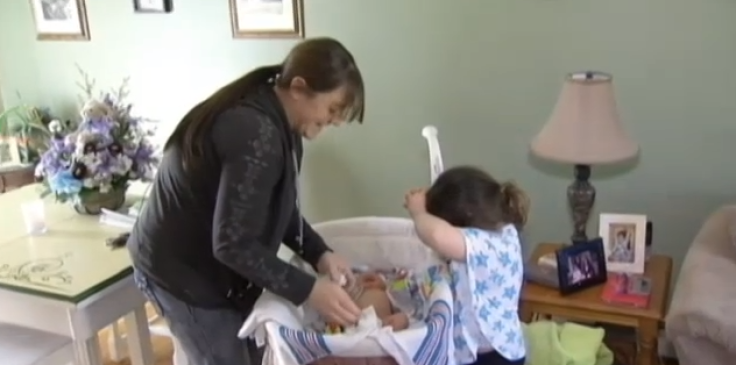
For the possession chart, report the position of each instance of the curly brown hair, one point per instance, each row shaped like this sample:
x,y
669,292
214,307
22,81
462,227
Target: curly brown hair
x,y
467,196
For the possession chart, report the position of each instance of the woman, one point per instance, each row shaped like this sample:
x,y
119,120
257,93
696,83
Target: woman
x,y
225,198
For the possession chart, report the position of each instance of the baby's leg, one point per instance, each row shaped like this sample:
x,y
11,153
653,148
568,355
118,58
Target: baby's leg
x,y
372,281
397,321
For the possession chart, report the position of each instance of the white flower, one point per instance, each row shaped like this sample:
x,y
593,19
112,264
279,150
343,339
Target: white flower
x,y
103,181
127,163
121,165
91,160
83,139
89,183
94,109
55,126
147,173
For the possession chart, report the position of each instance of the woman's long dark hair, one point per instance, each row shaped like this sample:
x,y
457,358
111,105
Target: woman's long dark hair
x,y
324,63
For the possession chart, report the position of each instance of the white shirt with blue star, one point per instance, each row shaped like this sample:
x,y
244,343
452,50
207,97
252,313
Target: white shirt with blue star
x,y
486,290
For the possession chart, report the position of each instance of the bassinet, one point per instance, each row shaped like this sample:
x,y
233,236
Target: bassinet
x,y
379,243
382,243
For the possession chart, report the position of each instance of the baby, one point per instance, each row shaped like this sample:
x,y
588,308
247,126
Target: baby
x,y
370,289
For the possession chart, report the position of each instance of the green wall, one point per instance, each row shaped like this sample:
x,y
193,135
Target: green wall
x,y
487,73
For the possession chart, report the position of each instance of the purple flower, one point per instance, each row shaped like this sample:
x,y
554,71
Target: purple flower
x,y
134,122
51,165
58,144
108,144
99,126
106,162
144,154
103,170
143,159
57,158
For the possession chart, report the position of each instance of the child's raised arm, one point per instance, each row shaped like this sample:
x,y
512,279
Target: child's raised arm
x,y
440,236
436,233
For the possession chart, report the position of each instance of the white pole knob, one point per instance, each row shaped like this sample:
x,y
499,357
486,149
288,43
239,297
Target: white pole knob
x,y
435,155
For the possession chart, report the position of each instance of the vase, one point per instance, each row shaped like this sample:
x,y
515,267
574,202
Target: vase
x,y
92,203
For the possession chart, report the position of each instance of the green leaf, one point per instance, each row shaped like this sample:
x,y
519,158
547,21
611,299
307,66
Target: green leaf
x,y
21,118
45,193
25,122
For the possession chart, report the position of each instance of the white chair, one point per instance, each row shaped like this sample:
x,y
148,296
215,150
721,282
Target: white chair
x,y
25,346
159,327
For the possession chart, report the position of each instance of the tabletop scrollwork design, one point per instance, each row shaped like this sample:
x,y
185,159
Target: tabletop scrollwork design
x,y
44,272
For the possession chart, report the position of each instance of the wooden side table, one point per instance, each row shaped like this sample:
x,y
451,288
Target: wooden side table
x,y
13,177
587,305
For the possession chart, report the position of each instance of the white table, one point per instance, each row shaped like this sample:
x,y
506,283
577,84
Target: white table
x,y
66,281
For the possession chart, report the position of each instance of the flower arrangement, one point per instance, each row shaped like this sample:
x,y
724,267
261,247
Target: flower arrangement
x,y
102,153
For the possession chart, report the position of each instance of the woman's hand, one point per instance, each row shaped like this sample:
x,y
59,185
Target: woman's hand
x,y
415,201
330,300
336,267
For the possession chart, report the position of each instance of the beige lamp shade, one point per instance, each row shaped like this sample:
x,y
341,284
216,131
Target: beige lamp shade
x,y
585,127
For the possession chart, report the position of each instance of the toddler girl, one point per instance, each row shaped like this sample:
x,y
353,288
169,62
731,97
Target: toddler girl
x,y
471,219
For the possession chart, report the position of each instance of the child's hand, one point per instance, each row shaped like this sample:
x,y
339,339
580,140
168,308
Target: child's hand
x,y
415,201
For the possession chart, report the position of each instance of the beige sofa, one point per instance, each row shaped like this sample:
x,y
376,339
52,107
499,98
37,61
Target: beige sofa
x,y
701,323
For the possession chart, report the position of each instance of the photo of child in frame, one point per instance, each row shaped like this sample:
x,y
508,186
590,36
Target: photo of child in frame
x,y
9,153
621,243
581,267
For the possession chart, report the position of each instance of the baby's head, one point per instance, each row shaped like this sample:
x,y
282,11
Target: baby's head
x,y
468,197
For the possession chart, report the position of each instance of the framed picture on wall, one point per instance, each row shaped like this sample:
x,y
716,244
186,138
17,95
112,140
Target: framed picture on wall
x,y
267,18
60,20
9,153
624,241
153,6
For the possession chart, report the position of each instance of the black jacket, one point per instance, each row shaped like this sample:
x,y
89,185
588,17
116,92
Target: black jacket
x,y
211,238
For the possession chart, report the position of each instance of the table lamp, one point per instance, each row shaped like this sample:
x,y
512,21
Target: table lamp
x,y
583,130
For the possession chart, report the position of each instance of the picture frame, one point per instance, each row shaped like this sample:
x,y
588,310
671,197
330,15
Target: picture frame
x,y
581,266
60,20
9,152
624,241
153,6
267,18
